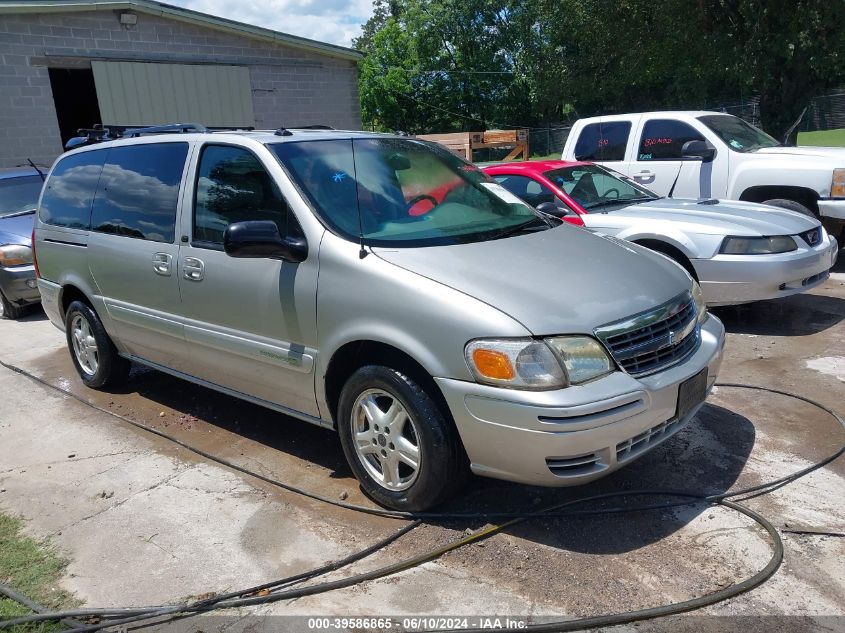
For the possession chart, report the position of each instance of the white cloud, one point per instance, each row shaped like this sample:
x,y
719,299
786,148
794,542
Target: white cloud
x,y
333,21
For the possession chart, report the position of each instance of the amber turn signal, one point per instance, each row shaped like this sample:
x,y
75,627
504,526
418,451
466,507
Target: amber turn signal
x,y
492,364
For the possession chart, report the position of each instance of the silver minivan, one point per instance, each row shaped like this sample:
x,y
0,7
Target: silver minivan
x,y
378,285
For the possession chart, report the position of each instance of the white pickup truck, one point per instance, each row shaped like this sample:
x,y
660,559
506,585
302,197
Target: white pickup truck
x,y
714,155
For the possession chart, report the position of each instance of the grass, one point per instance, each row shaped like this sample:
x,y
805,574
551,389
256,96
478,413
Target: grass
x,y
826,138
32,568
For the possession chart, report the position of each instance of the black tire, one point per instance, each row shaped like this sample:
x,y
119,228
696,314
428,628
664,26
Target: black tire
x,y
111,369
10,310
443,465
791,205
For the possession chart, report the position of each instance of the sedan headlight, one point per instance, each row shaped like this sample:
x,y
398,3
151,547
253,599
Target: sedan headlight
x,y
15,255
527,363
758,245
837,185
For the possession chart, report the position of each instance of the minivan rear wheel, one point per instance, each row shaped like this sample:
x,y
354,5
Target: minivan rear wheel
x,y
405,453
92,351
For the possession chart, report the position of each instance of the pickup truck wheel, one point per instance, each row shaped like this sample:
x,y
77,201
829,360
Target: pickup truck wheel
x,y
92,351
9,310
405,453
791,205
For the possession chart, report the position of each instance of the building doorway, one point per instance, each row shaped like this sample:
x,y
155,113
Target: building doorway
x,y
75,96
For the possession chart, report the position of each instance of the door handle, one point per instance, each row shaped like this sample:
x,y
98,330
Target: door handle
x,y
161,263
644,176
193,269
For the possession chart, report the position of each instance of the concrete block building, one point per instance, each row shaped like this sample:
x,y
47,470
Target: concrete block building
x,y
67,64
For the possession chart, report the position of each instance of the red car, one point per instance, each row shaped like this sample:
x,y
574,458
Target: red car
x,y
536,183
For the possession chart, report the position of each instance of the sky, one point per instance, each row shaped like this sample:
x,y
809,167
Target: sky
x,y
333,21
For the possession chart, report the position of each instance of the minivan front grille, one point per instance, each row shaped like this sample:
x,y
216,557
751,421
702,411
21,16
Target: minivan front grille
x,y
654,340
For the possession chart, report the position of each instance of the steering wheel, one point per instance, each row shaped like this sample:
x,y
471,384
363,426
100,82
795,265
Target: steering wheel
x,y
614,190
417,199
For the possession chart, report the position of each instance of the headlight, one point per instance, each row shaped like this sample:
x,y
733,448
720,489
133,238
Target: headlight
x,y
837,185
15,255
516,363
526,363
757,245
583,357
698,297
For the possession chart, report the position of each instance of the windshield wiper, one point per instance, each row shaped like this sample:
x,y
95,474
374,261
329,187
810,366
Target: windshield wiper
x,y
513,230
607,203
16,214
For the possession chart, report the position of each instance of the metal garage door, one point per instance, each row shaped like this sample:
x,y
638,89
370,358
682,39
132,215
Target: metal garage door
x,y
132,93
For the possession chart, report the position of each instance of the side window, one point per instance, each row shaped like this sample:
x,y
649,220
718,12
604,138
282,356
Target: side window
x,y
603,141
70,189
663,139
139,191
233,186
533,192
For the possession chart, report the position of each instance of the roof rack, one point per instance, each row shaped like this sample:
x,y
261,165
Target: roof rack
x,y
283,131
159,129
99,133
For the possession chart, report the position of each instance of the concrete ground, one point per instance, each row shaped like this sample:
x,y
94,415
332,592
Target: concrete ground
x,y
146,522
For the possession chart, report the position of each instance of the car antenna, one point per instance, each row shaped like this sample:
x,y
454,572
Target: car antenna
x,y
35,167
675,182
362,253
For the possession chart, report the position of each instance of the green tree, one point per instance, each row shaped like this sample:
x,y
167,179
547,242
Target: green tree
x,y
790,50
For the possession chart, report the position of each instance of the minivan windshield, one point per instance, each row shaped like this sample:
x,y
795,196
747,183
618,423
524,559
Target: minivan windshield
x,y
595,187
19,194
402,192
737,134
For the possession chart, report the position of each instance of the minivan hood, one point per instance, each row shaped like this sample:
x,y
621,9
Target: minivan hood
x,y
722,218
564,280
17,230
806,150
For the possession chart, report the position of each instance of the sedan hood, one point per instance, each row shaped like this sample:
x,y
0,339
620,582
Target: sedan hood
x,y
722,218
805,150
17,230
559,281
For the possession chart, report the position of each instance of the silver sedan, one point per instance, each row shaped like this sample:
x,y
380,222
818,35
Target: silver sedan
x,y
738,251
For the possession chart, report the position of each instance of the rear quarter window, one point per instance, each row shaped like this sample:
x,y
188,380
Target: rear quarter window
x,y
603,141
69,191
138,191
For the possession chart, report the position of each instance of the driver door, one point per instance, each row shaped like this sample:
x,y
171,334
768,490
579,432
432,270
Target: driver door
x,y
250,323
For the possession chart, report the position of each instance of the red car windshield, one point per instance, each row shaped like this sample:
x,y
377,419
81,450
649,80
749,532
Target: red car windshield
x,y
592,186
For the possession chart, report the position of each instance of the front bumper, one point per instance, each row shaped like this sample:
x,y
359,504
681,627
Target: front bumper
x,y
733,279
575,435
19,285
832,208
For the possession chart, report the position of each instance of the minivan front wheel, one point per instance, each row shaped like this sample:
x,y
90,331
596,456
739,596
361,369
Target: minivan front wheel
x,y
401,447
92,351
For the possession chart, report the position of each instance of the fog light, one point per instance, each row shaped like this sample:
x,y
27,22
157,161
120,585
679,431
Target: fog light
x,y
31,283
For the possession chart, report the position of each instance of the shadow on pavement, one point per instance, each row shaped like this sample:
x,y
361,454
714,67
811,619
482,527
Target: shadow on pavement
x,y
706,457
798,315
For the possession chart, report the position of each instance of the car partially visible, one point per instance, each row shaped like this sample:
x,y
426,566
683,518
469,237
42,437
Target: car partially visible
x,y
20,188
738,251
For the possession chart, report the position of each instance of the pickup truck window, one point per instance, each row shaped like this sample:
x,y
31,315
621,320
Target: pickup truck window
x,y
737,134
603,141
662,139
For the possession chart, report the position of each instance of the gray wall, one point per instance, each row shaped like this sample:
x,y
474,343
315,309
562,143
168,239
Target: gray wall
x,y
289,86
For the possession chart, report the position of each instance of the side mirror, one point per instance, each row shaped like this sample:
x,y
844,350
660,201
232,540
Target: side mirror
x,y
261,239
698,150
554,210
